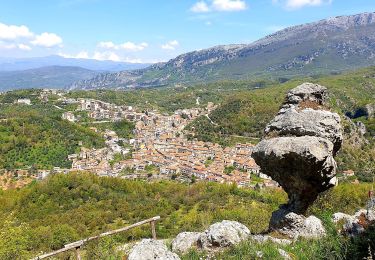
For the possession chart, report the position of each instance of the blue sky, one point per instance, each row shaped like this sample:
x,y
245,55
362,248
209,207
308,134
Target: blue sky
x,y
150,30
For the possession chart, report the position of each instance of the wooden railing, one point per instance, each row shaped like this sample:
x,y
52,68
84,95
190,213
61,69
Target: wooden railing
x,y
78,244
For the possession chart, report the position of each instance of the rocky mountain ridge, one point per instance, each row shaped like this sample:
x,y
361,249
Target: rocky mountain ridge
x,y
330,45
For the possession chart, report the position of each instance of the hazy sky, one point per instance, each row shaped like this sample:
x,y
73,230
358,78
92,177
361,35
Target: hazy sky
x,y
150,30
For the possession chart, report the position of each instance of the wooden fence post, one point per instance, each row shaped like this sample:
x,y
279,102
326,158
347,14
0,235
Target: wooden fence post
x,y
153,229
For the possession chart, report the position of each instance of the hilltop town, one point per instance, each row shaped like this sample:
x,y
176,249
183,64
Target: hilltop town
x,y
160,144
159,147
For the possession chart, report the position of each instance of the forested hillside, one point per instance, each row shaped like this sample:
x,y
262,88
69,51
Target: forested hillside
x,y
36,136
63,208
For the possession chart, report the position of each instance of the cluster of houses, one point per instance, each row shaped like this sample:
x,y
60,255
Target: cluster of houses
x,y
159,141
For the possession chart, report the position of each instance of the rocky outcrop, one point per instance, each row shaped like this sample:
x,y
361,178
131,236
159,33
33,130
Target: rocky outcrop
x,y
298,152
356,224
149,249
223,234
185,241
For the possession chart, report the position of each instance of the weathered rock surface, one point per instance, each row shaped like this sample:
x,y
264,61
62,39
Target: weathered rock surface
x,y
303,166
307,92
298,152
308,122
265,238
294,225
223,234
356,224
185,241
339,216
149,249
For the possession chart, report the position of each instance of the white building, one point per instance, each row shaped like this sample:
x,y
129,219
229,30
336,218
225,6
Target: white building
x,y
68,116
24,101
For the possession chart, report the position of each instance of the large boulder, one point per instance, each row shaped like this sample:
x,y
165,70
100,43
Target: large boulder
x,y
298,152
294,225
149,249
223,234
185,241
303,166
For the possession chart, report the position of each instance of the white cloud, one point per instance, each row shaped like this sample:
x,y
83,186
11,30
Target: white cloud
x,y
219,6
229,5
200,7
296,4
171,45
106,45
107,55
80,55
12,32
14,46
24,47
129,46
47,40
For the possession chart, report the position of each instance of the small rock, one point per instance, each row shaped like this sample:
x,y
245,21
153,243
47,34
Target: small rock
x,y
223,234
184,241
341,216
149,249
284,254
265,238
259,254
361,128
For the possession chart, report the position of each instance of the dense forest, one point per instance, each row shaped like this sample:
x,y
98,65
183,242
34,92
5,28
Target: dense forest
x,y
63,208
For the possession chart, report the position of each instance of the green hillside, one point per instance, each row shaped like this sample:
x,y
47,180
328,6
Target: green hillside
x,y
36,136
246,113
63,208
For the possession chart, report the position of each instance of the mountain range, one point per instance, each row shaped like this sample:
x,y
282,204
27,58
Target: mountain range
x,y
54,71
16,64
44,77
327,46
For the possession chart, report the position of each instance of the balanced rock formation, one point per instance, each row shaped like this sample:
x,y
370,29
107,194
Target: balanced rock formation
x,y
297,152
149,249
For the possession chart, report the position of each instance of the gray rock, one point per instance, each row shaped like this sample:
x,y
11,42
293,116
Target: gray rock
x,y
361,128
370,110
185,241
307,92
298,152
294,225
284,254
223,234
337,217
356,224
149,249
264,238
308,122
303,166
259,254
